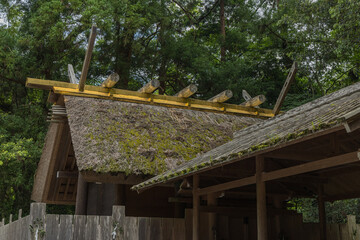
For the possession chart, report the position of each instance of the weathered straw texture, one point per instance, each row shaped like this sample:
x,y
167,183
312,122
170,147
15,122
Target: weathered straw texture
x,y
325,112
112,136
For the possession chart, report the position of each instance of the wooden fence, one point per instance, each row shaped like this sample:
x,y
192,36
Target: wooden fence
x,y
343,231
41,226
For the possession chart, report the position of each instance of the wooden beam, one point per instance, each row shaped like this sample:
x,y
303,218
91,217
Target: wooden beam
x,y
64,88
87,59
312,166
67,174
187,92
295,155
351,126
150,86
261,211
110,81
322,214
228,185
71,74
222,97
119,178
81,196
285,89
196,205
255,101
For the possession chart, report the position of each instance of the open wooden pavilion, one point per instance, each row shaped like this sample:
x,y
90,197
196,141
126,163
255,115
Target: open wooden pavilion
x,y
309,151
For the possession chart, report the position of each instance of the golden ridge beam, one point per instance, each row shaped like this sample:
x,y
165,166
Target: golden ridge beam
x,y
146,98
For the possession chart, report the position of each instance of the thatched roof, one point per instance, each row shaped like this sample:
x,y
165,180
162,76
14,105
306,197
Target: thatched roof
x,y
113,136
323,113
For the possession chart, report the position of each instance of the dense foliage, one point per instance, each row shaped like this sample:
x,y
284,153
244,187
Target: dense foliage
x,y
178,42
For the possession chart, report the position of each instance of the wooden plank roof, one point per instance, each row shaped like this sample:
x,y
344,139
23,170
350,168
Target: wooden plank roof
x,y
309,119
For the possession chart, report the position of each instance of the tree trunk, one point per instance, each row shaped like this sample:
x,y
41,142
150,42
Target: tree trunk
x,y
222,30
123,51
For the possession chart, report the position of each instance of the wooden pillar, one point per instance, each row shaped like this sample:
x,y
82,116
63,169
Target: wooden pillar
x,y
120,194
81,196
322,214
211,201
196,205
260,200
277,204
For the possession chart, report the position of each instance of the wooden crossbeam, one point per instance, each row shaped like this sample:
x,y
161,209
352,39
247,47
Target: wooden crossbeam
x,y
222,97
150,86
312,166
111,80
87,59
64,88
228,185
290,78
285,172
187,92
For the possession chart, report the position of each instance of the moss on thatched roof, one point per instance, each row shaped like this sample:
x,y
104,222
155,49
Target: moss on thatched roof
x,y
112,136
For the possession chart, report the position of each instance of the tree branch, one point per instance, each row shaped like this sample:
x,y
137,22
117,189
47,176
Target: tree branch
x,y
202,17
12,80
188,14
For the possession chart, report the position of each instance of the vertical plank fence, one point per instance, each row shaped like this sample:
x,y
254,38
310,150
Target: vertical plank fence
x,y
41,226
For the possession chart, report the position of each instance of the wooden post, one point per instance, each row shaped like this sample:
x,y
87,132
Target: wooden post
x,y
290,78
81,196
260,200
196,205
277,205
322,214
120,194
10,218
211,201
37,220
87,59
20,213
